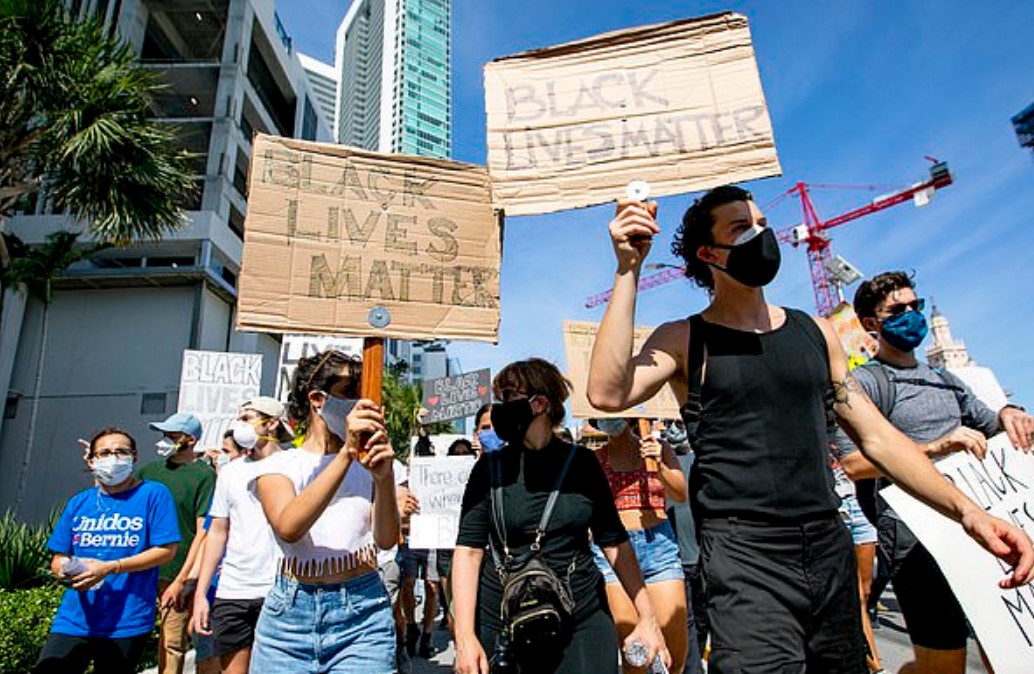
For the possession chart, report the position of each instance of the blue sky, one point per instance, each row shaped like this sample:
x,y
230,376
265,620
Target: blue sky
x,y
858,93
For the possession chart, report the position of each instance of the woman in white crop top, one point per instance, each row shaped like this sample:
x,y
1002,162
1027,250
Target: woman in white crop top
x,y
331,504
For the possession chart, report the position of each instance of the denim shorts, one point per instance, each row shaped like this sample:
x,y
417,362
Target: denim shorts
x,y
862,530
344,628
656,550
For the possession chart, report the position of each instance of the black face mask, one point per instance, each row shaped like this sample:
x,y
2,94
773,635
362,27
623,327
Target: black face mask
x,y
753,263
511,420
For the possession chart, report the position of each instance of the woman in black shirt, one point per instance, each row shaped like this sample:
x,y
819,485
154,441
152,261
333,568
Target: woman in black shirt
x,y
532,395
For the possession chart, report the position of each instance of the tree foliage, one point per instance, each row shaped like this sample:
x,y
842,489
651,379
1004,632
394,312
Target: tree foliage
x,y
402,403
74,119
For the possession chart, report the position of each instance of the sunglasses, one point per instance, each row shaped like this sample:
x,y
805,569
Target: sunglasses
x,y
917,304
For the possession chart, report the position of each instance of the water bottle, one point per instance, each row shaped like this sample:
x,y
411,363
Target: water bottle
x,y
72,567
635,655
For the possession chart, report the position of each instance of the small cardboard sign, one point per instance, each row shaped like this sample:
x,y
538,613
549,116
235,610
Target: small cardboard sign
x,y
678,104
1003,484
579,337
213,384
859,345
294,347
438,483
456,397
345,241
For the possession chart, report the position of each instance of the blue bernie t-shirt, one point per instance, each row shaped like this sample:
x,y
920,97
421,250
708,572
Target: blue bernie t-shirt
x,y
97,525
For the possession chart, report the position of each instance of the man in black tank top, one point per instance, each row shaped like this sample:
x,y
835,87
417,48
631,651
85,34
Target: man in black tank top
x,y
758,381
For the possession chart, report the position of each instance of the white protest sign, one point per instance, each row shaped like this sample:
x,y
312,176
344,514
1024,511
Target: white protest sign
x,y
1003,484
213,384
438,482
297,346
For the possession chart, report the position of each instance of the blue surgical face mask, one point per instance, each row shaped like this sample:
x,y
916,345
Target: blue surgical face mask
x,y
334,412
612,427
906,331
490,442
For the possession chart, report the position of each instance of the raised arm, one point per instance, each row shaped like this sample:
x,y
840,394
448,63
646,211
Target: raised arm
x,y
903,460
617,380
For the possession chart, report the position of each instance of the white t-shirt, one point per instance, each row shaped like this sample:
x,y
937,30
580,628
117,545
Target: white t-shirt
x,y
342,537
250,563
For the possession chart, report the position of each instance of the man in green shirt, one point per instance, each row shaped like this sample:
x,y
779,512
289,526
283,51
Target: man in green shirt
x,y
191,483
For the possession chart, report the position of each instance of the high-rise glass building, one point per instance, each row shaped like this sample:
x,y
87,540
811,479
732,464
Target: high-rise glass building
x,y
394,91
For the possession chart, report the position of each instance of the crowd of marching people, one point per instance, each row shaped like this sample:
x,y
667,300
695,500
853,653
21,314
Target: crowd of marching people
x,y
736,534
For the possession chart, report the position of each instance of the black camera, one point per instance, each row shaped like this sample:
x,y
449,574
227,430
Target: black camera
x,y
502,661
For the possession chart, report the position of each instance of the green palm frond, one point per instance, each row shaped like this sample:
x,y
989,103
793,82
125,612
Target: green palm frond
x,y
74,108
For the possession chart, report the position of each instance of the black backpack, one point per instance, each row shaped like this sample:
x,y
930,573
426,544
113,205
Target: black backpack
x,y
537,609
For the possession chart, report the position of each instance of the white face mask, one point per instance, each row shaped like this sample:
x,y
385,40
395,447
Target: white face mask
x,y
112,470
612,427
166,447
244,434
222,459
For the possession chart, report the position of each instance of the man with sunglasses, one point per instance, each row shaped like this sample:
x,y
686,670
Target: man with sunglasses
x,y
942,415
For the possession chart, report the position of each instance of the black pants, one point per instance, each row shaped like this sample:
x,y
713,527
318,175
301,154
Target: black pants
x,y
696,609
782,598
592,649
63,654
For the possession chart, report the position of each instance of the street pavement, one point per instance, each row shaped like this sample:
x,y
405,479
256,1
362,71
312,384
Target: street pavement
x,y
891,640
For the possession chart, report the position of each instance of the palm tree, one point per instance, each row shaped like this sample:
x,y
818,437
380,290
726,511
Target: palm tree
x,y
74,120
35,269
74,127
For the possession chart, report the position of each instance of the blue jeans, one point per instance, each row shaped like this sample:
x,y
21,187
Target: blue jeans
x,y
656,550
344,628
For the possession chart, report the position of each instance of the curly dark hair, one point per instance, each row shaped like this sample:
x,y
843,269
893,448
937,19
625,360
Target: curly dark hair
x,y
321,372
695,231
111,430
536,376
870,293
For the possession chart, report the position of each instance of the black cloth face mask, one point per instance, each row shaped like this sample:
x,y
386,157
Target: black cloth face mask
x,y
753,262
511,420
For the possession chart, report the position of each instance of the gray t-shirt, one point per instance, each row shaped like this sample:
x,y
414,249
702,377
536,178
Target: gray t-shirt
x,y
681,517
928,404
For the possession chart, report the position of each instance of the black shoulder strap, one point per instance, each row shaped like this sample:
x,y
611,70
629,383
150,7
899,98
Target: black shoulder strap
x,y
886,391
690,410
552,501
498,514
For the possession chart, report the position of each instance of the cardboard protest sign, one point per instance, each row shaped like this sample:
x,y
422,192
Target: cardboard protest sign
x,y
1003,484
294,347
345,241
438,482
679,105
859,345
213,384
456,397
579,336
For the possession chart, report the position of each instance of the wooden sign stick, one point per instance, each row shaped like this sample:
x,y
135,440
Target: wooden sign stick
x,y
645,430
373,373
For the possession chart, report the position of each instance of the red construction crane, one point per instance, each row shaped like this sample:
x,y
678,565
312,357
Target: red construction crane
x,y
811,233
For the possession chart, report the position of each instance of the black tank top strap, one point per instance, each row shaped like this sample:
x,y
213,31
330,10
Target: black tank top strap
x,y
696,354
